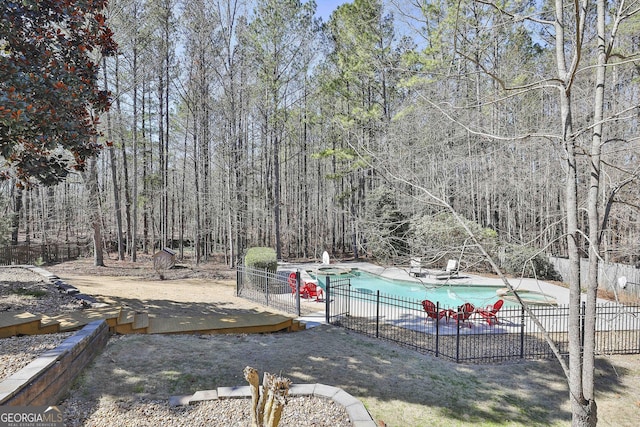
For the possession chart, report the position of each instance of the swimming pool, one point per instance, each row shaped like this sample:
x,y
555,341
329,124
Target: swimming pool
x,y
448,295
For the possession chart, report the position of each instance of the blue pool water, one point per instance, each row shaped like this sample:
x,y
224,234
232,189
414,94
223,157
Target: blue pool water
x,y
447,294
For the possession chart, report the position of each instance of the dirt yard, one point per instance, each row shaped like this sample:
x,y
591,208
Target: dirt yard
x,y
184,291
397,385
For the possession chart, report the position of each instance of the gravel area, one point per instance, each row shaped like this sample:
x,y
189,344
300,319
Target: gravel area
x,y
18,352
23,290
299,412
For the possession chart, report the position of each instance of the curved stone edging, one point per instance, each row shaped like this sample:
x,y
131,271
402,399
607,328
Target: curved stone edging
x,y
358,414
46,379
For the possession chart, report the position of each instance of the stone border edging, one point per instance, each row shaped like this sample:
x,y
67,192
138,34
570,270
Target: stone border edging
x,y
358,414
86,300
46,379
65,288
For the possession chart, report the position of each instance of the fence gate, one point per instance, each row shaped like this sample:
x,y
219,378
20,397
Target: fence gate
x,y
268,288
338,301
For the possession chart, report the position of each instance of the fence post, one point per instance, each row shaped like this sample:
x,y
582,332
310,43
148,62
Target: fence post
x,y
238,278
270,280
298,292
457,341
437,329
582,315
521,332
327,300
378,313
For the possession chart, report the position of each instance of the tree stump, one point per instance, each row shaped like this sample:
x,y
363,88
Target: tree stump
x,y
268,402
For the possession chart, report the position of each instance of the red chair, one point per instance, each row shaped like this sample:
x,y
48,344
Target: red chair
x,y
307,290
293,282
490,312
310,289
432,311
464,312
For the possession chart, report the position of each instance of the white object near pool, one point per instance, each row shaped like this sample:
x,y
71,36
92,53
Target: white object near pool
x,y
325,258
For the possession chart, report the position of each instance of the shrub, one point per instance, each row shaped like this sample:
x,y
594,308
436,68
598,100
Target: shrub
x,y
442,237
261,259
524,261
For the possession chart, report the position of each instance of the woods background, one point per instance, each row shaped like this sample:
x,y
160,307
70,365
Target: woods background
x,y
243,123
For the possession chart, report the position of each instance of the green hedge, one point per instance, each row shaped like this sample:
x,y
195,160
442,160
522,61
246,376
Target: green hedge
x,y
261,259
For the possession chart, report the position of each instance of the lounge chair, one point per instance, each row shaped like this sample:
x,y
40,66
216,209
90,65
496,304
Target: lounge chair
x,y
415,267
464,312
451,272
432,311
489,313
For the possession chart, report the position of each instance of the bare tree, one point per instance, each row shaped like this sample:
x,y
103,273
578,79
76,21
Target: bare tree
x,y
567,29
91,182
279,40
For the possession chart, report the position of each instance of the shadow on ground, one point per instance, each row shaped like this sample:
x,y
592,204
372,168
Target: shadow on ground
x,y
385,377
398,385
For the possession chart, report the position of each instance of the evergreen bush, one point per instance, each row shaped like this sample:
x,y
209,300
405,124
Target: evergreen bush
x,y
261,259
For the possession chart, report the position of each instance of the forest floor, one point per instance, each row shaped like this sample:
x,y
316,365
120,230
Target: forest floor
x,y
397,385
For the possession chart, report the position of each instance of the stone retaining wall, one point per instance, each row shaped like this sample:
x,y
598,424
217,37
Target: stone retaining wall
x,y
46,380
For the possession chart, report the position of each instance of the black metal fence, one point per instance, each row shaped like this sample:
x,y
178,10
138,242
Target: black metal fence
x,y
42,254
276,290
474,340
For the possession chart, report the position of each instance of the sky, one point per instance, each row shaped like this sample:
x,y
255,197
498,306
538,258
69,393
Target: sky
x,y
325,7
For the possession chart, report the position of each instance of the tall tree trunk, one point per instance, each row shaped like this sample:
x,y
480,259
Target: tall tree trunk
x,y
594,218
161,165
134,227
147,167
15,218
583,410
578,403
196,184
276,195
91,183
114,174
165,161
183,198
28,215
125,163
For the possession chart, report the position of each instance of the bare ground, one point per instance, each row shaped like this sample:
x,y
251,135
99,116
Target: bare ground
x,y
397,385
